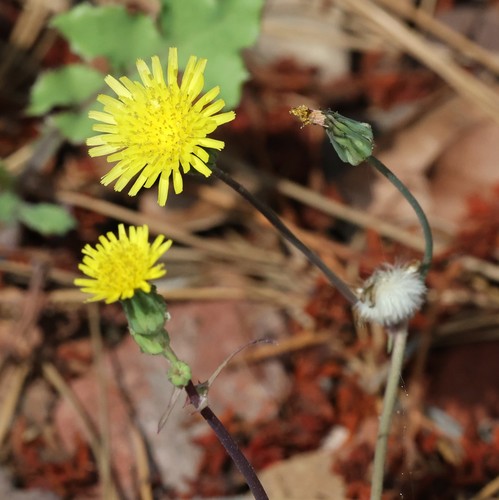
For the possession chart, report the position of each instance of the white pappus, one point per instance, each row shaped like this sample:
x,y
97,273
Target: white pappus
x,y
392,294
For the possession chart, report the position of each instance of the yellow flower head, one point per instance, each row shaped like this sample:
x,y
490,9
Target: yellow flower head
x,y
155,127
118,266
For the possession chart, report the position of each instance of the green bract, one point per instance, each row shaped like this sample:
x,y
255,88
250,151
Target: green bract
x,y
352,140
146,319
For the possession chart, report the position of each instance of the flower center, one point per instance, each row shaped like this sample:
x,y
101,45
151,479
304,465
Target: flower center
x,y
158,124
124,266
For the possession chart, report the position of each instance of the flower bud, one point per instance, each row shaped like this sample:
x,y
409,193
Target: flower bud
x,y
146,318
352,140
179,373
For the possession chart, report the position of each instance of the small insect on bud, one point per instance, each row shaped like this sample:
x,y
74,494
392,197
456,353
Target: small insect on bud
x,y
392,294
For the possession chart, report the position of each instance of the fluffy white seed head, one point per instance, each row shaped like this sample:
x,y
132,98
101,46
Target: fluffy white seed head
x,y
392,294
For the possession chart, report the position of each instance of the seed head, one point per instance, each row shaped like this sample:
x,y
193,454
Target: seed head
x,y
392,294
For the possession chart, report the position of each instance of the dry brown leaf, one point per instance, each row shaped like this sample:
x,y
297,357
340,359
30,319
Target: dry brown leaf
x,y
469,166
307,476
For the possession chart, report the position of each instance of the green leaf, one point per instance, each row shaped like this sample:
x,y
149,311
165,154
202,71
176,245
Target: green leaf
x,y
65,86
216,30
46,218
109,31
76,127
9,204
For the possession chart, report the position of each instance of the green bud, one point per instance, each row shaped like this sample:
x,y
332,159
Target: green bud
x,y
179,373
352,140
146,314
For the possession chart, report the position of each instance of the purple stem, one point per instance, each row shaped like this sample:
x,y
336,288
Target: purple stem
x,y
241,462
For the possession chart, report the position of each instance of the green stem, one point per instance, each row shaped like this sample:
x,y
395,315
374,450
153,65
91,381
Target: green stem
x,y
274,219
425,225
169,354
399,336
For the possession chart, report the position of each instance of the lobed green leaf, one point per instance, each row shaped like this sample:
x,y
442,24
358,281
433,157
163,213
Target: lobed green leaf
x,y
217,30
109,31
66,86
76,127
46,218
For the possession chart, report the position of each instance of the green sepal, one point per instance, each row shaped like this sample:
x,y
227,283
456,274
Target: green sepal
x,y
146,313
352,140
148,345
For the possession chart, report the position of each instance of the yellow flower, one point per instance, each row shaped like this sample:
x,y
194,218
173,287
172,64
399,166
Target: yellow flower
x,y
118,266
154,128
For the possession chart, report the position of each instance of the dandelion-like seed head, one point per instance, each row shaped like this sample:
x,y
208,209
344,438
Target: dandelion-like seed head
x,y
392,294
156,128
119,266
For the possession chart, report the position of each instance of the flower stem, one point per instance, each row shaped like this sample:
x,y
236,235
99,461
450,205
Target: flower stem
x,y
229,444
425,225
399,336
274,219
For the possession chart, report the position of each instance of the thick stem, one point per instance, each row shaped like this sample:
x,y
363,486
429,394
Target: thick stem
x,y
229,444
399,336
274,219
425,225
